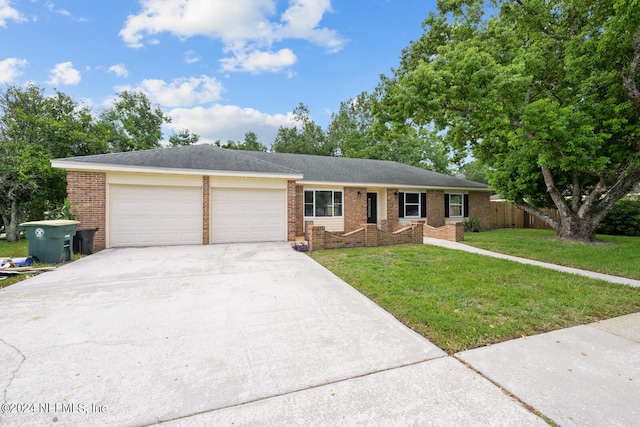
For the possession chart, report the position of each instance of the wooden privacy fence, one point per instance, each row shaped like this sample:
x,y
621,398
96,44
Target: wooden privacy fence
x,y
507,215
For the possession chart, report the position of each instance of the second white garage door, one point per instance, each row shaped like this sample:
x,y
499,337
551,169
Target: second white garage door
x,y
141,215
248,215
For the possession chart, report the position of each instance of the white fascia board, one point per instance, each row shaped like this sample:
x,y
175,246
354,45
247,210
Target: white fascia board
x,y
98,167
364,184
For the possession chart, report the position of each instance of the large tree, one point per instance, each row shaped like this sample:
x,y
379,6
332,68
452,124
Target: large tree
x,y
34,129
544,92
135,124
250,143
356,131
306,137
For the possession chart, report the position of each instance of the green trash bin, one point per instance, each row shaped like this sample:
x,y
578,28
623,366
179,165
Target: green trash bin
x,y
50,241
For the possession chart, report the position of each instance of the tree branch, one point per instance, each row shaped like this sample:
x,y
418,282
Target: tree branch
x,y
551,221
629,80
555,194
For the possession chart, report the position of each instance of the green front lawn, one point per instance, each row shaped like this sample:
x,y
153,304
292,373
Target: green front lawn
x,y
617,255
460,301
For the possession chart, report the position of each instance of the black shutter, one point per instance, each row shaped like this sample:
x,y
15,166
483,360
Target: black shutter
x,y
446,206
400,205
423,205
465,206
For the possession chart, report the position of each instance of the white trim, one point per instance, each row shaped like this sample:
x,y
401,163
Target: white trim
x,y
386,186
314,190
462,206
99,167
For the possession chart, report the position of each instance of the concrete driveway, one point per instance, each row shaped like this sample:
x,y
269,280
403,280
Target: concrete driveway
x,y
222,335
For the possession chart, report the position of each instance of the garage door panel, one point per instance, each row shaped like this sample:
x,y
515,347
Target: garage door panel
x,y
150,216
242,215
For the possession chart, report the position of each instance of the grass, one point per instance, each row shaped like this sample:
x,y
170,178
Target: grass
x,y
18,250
461,301
617,255
13,250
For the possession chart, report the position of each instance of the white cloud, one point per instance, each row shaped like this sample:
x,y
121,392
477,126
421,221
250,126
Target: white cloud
x,y
257,61
190,57
7,12
181,92
11,68
64,74
52,8
119,70
228,122
247,28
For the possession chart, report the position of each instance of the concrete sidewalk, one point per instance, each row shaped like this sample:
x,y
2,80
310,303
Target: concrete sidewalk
x,y
462,247
587,375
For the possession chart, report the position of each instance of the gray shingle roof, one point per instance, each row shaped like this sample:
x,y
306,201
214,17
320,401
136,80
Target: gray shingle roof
x,y
341,169
197,157
313,168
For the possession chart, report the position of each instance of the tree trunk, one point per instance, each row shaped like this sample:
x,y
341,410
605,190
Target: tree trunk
x,y
11,222
578,229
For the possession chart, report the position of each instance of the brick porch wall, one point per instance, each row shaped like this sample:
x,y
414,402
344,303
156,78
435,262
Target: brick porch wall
x,y
354,208
368,235
451,231
87,194
480,207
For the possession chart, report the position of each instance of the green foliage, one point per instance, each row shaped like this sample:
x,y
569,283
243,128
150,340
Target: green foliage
x,y
304,138
472,225
623,219
356,132
250,143
34,129
475,171
62,211
544,93
183,138
133,123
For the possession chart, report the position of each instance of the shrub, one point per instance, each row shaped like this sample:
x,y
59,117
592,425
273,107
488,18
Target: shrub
x,y
623,219
472,225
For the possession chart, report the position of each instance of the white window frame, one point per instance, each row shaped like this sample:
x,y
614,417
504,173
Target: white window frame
x,y
333,205
413,204
461,205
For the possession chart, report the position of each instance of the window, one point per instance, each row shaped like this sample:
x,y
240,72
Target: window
x,y
322,203
412,205
455,205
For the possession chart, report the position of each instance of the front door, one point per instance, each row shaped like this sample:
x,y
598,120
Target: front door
x,y
372,208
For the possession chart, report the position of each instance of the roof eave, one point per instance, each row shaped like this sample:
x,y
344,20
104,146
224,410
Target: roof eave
x,y
101,167
387,185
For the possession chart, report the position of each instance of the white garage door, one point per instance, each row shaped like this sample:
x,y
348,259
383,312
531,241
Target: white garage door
x,y
241,215
154,216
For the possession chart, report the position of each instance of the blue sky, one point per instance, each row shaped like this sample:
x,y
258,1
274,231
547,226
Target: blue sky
x,y
219,68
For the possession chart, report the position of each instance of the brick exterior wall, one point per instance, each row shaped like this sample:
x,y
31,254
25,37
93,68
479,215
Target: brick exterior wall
x,y
354,208
292,211
480,207
393,220
435,208
206,208
299,211
87,194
